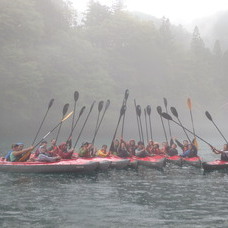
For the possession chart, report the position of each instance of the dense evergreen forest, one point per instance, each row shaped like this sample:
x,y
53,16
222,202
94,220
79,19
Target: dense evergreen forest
x,y
47,52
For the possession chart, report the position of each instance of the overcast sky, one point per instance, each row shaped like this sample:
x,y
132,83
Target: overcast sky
x,y
178,11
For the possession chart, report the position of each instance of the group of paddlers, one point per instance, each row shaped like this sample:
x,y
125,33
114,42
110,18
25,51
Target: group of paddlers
x,y
118,147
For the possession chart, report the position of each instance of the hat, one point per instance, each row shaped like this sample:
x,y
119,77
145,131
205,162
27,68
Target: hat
x,y
19,144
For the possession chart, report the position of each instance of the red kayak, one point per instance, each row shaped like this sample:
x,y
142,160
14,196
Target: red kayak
x,y
195,161
215,165
63,166
156,161
177,160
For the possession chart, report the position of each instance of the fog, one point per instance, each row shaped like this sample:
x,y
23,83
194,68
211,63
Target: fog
x,y
45,53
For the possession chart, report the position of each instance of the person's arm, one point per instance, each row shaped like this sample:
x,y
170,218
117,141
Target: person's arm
x,y
179,144
216,151
16,153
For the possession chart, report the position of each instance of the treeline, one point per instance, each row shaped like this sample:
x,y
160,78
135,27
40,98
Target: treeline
x,y
47,52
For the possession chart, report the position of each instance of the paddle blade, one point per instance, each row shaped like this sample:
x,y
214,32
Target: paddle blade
x,y
189,102
148,109
107,104
100,105
174,112
138,110
50,103
165,102
82,110
65,109
159,110
208,115
76,96
166,116
66,117
126,94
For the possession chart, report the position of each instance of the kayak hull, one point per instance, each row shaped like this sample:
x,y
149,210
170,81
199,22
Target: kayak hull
x,y
215,165
176,160
64,166
195,161
152,162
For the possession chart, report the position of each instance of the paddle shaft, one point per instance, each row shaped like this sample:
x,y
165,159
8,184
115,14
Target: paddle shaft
x,y
146,126
137,118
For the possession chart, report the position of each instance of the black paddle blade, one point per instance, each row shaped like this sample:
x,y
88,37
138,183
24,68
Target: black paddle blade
x,y
107,104
122,110
100,105
165,101
82,110
126,94
50,103
159,110
76,96
148,109
174,112
138,110
65,109
208,115
166,116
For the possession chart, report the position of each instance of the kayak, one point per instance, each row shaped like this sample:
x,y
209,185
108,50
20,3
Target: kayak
x,y
215,165
195,161
176,160
156,161
118,162
103,165
63,166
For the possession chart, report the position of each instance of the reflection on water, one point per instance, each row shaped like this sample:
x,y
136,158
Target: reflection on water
x,y
175,197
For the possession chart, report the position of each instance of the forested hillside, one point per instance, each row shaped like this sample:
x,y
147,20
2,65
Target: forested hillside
x,y
45,53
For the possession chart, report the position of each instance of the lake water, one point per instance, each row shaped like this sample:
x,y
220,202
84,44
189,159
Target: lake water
x,y
174,197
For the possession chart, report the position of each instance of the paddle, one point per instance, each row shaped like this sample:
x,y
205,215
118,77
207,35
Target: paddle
x,y
106,107
76,96
165,103
124,103
26,156
210,118
138,110
159,110
147,137
65,109
137,118
91,108
148,109
168,117
174,112
189,103
80,114
49,106
122,111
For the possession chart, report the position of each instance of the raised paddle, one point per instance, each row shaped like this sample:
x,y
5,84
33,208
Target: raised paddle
x,y
122,111
166,104
91,108
65,109
137,118
175,113
210,118
138,110
147,137
76,96
124,103
26,156
102,117
49,106
168,117
159,110
148,109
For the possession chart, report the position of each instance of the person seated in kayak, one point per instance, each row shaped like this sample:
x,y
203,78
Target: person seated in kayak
x,y
156,150
114,146
103,152
190,152
131,147
224,152
13,147
183,146
149,147
141,151
173,150
85,150
53,146
165,148
63,152
37,152
18,152
122,150
43,155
